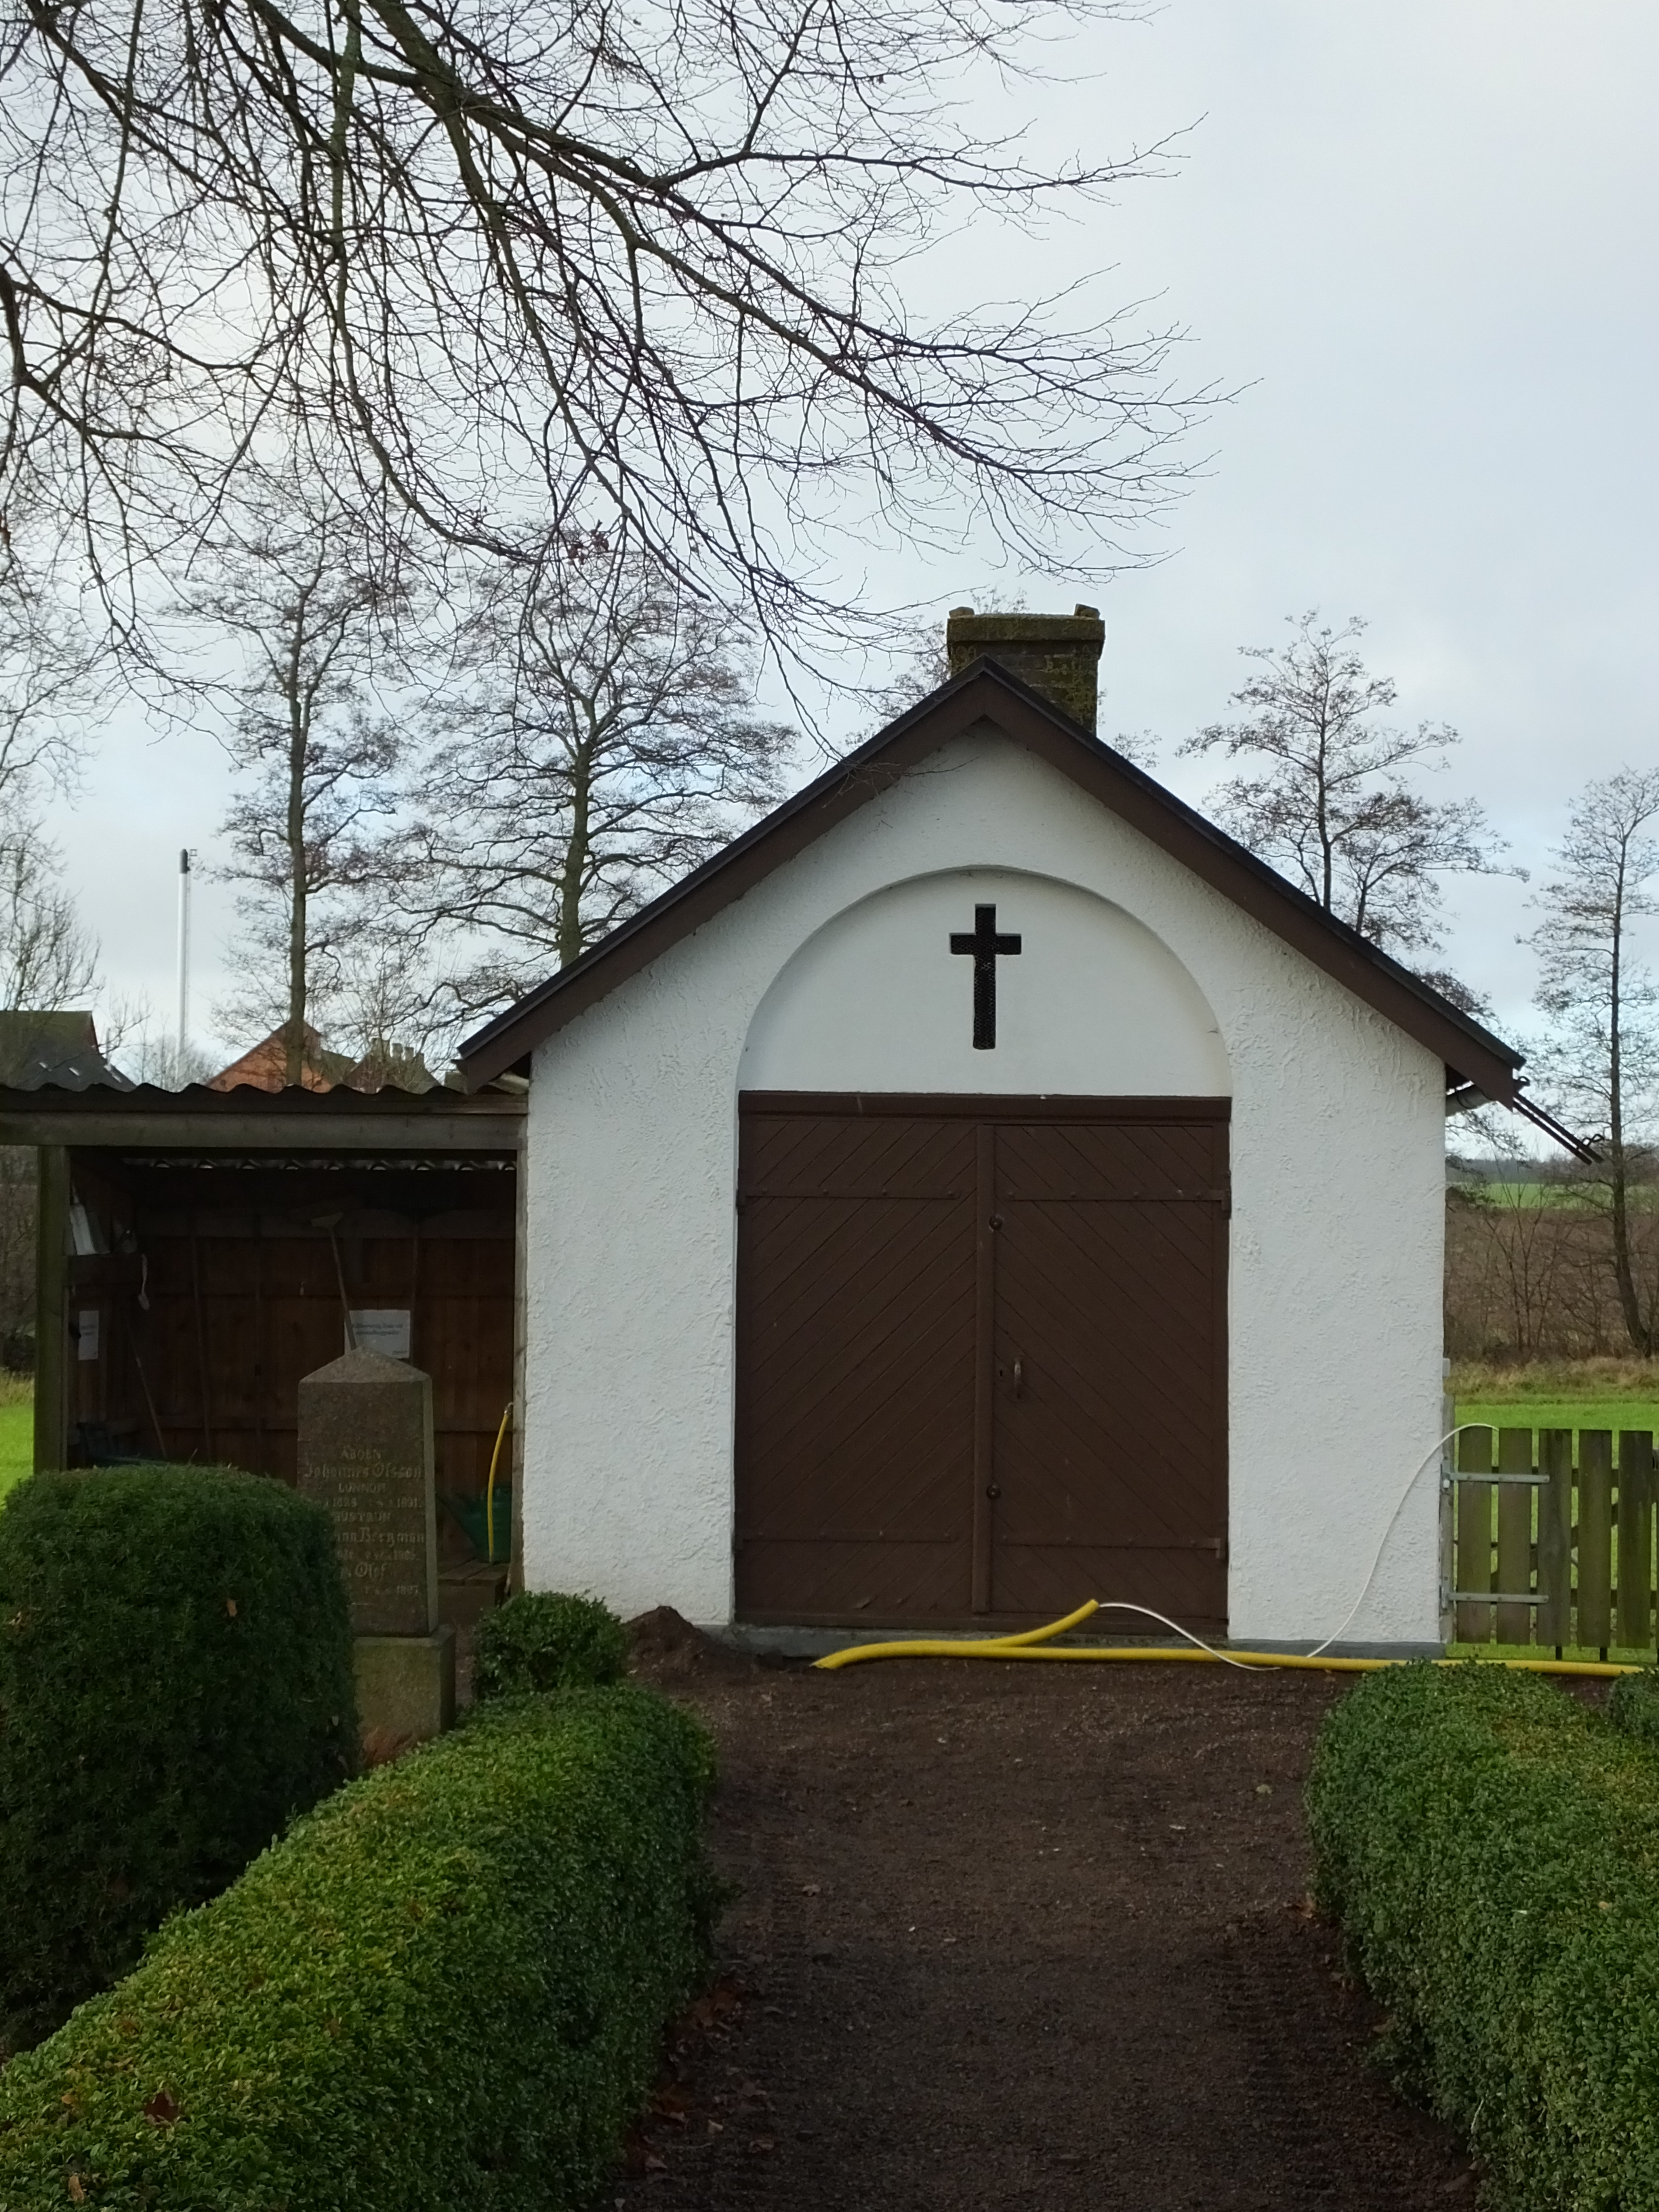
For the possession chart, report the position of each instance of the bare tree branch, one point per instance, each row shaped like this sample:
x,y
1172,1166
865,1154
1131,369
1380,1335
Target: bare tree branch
x,y
48,960
537,267
1600,1058
1331,807
308,596
601,740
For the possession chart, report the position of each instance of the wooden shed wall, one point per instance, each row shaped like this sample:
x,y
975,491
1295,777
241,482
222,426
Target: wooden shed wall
x,y
220,1288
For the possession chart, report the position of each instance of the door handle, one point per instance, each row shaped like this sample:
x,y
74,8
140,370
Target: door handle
x,y
1019,1378
993,1489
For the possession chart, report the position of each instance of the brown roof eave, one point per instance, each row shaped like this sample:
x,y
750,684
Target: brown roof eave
x,y
248,1117
983,692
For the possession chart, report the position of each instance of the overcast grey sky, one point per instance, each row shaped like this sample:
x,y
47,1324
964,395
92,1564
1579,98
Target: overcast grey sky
x,y
1420,234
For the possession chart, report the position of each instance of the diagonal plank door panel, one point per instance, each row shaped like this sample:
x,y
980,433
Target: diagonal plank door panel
x,y
854,1418
1111,1419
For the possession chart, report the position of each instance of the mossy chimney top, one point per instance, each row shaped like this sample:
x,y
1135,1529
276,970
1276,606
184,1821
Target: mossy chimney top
x,y
1057,655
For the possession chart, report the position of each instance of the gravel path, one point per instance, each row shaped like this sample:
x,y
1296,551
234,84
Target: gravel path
x,y
1011,1936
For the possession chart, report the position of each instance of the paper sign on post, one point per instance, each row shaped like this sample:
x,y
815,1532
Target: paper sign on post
x,y
382,1328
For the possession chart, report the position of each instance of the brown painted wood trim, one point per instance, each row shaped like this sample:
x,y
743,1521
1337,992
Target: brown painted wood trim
x,y
1221,1161
117,1132
985,693
51,1279
292,1104
961,1105
985,1382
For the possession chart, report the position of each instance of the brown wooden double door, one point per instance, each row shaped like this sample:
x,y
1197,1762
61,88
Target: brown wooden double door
x,y
981,1359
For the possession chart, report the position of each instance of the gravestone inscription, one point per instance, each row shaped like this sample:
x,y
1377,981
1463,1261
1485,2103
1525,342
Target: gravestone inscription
x,y
366,1454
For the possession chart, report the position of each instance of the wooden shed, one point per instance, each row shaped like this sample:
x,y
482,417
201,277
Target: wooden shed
x,y
201,1251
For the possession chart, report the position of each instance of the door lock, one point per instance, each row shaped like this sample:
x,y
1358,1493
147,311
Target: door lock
x,y
993,1489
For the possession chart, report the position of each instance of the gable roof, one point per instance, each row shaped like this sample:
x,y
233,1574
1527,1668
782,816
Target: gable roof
x,y
1476,1061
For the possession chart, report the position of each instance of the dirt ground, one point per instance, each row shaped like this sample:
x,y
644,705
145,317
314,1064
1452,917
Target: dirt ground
x,y
1011,1935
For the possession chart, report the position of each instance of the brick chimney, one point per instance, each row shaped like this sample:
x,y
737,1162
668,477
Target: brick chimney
x,y
1056,655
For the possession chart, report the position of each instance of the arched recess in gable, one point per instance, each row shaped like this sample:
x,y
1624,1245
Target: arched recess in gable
x,y
1093,1005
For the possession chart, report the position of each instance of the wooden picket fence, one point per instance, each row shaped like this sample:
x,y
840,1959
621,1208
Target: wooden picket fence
x,y
1553,1539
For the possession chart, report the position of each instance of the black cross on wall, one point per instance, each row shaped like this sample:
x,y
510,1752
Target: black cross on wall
x,y
984,945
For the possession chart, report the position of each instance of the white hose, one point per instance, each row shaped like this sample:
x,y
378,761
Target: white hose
x,y
1116,1605
1376,1557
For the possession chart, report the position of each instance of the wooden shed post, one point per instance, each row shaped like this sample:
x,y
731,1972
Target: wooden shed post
x,y
51,1308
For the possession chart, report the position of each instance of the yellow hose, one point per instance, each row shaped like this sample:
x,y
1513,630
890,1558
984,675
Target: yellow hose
x,y
1033,1643
490,1488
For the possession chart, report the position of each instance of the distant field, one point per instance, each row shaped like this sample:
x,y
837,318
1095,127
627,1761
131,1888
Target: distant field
x,y
17,1434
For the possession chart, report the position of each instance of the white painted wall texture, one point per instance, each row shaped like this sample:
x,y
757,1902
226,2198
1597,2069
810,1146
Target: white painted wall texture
x,y
1135,977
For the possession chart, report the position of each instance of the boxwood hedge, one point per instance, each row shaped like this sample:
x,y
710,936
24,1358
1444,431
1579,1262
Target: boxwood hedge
x,y
547,1640
1633,1705
446,1988
175,1683
1491,1848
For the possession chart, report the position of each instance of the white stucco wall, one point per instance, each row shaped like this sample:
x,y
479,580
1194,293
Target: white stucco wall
x,y
832,974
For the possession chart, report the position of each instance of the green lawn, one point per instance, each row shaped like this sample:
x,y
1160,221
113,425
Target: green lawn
x,y
17,1434
1561,1413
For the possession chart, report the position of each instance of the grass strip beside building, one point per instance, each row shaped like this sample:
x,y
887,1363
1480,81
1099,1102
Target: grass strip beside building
x,y
1490,1848
447,1987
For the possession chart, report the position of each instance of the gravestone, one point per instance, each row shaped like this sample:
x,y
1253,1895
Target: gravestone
x,y
365,1452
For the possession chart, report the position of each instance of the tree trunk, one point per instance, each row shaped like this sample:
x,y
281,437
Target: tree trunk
x,y
1640,1334
294,838
576,855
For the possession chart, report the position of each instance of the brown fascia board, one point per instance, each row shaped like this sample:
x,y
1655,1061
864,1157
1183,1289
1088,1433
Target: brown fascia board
x,y
987,692
293,1101
249,1117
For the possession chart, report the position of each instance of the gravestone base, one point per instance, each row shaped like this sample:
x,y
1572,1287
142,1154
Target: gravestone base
x,y
467,1592
406,1683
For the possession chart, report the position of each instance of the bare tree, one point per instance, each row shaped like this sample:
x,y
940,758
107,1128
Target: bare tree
x,y
47,958
635,259
1330,805
147,1045
386,1002
46,663
1600,1055
47,660
307,594
605,741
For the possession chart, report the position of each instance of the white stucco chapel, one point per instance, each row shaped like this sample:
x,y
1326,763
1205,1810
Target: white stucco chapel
x,y
985,1187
